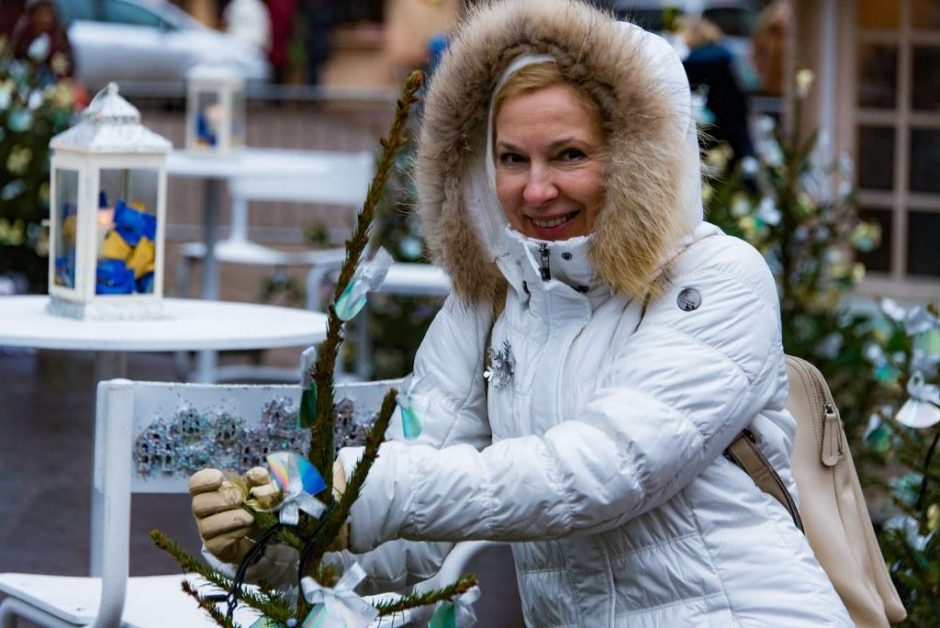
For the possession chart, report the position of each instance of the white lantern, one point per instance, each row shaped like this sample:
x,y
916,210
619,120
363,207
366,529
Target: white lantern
x,y
108,214
215,110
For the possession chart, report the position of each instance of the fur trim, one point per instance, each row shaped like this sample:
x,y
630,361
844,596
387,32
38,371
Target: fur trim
x,y
654,177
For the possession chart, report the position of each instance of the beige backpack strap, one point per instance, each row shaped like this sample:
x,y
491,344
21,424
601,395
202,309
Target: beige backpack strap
x,y
745,453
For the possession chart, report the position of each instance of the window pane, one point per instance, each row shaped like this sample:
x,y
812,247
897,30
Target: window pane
x,y
925,155
879,259
875,157
925,14
878,14
124,13
923,243
877,75
925,86
77,10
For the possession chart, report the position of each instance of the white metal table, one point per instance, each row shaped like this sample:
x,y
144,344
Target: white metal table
x,y
190,325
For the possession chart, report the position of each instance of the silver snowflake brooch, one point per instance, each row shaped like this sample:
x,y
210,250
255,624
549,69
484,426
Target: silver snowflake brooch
x,y
501,367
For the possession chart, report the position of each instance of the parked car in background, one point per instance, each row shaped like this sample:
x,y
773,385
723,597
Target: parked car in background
x,y
735,18
129,41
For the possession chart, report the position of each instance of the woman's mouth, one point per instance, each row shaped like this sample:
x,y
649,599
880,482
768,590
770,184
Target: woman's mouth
x,y
556,221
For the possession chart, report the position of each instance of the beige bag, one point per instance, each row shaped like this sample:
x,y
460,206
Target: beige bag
x,y
833,511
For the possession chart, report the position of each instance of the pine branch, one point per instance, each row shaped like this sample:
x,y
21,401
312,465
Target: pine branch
x,y
208,606
321,431
270,606
354,485
460,587
188,562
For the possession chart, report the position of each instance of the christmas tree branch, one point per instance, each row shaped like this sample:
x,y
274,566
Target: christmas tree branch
x,y
272,606
208,606
460,587
322,426
335,518
188,562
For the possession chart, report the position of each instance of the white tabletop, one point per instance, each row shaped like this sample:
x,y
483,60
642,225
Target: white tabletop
x,y
191,325
249,162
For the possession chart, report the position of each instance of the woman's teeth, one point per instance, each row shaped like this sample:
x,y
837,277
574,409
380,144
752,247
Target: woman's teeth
x,y
553,222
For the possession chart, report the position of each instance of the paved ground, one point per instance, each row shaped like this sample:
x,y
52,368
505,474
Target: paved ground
x,y
46,426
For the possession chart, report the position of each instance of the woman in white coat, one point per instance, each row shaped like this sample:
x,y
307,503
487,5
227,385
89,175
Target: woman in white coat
x,y
601,348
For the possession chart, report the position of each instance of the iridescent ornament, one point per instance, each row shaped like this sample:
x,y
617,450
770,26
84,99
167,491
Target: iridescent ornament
x,y
299,481
20,120
339,606
922,410
308,406
410,424
368,276
879,439
457,613
919,320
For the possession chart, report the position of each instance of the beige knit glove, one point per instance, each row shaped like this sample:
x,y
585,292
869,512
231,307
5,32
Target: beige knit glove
x,y
222,522
341,541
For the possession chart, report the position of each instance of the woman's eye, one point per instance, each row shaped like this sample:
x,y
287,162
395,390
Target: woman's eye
x,y
509,159
572,154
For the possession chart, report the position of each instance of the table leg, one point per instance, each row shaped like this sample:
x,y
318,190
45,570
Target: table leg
x,y
210,235
205,360
205,367
108,365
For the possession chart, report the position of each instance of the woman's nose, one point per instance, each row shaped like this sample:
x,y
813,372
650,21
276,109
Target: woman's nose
x,y
539,187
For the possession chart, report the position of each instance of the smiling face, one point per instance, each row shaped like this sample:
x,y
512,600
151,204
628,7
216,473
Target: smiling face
x,y
551,162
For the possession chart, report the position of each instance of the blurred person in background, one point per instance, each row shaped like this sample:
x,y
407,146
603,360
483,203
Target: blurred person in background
x,y
40,38
319,17
769,44
282,14
249,21
709,67
10,12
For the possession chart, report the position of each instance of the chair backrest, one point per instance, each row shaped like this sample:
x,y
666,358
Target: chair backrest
x,y
151,436
335,178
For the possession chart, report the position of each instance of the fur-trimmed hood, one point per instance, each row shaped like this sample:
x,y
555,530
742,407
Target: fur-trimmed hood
x,y
654,181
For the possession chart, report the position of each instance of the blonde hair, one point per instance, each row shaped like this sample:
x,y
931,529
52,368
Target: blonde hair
x,y
539,76
698,32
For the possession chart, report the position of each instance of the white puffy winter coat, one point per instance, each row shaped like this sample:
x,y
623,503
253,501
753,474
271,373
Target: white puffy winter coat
x,y
600,458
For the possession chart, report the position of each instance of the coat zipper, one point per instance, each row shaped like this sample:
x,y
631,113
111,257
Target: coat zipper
x,y
544,270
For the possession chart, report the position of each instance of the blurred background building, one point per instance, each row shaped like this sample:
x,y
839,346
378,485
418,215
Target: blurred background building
x,y
875,98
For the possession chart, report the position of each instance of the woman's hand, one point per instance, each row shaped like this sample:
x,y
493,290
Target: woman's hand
x,y
222,522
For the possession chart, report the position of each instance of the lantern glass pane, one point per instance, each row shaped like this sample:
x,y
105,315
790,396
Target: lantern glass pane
x,y
127,228
65,204
208,119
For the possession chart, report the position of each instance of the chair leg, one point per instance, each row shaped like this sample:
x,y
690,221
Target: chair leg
x,y
11,608
7,616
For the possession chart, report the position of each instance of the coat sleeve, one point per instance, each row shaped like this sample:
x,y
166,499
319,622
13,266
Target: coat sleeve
x,y
446,391
675,394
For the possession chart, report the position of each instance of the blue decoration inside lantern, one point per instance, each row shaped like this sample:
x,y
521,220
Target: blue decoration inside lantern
x,y
204,130
131,224
114,277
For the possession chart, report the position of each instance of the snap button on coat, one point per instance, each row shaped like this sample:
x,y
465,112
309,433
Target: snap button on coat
x,y
689,299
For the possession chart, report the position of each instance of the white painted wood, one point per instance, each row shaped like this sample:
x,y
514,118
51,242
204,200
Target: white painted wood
x,y
124,408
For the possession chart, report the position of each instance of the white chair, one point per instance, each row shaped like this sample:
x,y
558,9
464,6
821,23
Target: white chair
x,y
343,179
126,410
